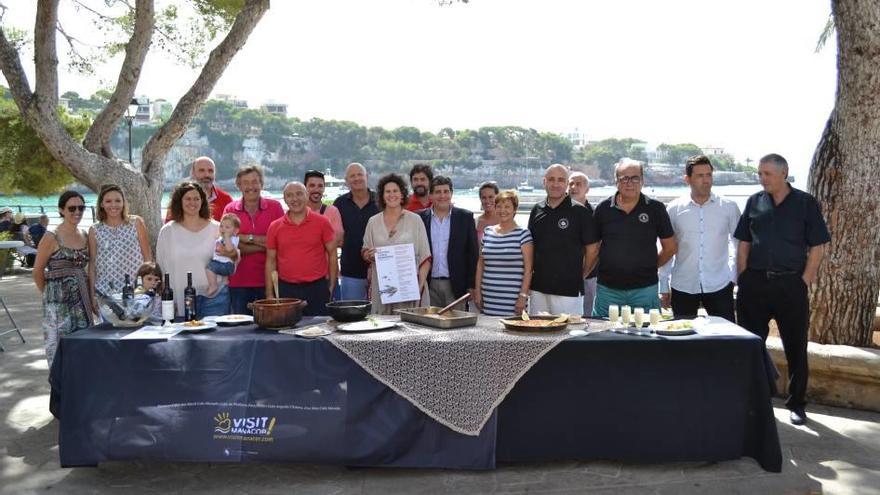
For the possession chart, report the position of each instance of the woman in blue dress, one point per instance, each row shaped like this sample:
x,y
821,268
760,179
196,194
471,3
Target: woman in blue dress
x,y
504,271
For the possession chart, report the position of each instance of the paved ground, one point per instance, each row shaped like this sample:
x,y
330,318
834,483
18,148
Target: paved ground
x,y
837,452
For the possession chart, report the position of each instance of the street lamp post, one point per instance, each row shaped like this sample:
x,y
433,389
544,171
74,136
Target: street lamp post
x,y
130,114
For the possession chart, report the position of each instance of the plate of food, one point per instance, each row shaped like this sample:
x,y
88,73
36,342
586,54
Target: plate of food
x,y
230,320
313,332
194,326
674,328
368,325
536,323
576,320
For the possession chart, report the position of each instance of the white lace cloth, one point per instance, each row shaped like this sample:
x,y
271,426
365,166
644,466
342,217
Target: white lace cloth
x,y
458,377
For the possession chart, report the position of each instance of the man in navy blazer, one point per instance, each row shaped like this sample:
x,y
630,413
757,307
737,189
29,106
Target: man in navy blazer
x,y
454,249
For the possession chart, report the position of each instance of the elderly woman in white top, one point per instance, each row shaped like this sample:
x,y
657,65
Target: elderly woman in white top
x,y
186,244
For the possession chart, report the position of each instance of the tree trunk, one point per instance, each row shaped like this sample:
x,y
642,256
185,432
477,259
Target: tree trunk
x,y
93,164
843,176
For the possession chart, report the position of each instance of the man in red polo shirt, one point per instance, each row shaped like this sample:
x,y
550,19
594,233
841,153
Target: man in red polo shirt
x,y
301,245
255,213
420,177
202,171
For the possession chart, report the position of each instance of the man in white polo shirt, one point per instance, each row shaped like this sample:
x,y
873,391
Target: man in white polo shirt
x,y
703,270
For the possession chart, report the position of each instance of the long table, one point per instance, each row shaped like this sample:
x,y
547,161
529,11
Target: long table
x,y
244,394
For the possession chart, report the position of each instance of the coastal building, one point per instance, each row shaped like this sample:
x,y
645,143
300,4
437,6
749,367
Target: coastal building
x,y
576,137
161,107
232,100
144,111
274,108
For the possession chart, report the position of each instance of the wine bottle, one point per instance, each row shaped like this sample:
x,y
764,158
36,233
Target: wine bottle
x,y
189,299
127,290
117,310
167,300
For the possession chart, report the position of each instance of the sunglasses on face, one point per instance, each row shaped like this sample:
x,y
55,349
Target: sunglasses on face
x,y
74,209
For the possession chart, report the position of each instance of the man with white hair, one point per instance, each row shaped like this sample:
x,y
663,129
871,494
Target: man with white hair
x,y
782,238
355,207
578,187
628,225
561,229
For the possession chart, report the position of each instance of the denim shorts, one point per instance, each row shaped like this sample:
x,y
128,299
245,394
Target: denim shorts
x,y
224,268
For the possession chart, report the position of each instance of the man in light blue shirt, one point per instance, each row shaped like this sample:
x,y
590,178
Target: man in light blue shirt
x,y
703,270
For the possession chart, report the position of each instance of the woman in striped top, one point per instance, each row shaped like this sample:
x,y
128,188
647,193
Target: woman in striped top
x,y
504,271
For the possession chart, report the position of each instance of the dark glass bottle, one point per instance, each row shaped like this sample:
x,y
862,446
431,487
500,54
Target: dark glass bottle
x,y
189,299
127,290
167,300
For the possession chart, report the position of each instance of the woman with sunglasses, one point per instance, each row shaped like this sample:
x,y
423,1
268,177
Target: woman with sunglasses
x,y
60,274
118,243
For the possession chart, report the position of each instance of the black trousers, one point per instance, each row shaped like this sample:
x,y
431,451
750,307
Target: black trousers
x,y
718,303
763,296
316,293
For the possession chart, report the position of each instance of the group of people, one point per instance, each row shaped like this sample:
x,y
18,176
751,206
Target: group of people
x,y
569,258
22,229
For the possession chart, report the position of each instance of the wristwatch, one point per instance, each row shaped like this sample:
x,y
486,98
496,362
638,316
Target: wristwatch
x,y
250,238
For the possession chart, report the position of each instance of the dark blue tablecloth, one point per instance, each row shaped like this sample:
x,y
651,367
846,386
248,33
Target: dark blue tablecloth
x,y
242,394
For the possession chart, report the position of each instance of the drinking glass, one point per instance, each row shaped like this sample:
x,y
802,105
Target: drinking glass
x,y
655,317
639,316
613,313
625,315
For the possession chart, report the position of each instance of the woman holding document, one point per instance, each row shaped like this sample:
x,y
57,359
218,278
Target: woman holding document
x,y
394,225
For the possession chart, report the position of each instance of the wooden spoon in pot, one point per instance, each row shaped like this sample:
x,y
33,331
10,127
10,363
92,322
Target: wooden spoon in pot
x,y
275,285
461,299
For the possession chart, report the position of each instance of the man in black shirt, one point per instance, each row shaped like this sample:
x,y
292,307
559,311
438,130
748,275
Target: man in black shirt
x,y
355,207
578,187
628,225
782,238
561,229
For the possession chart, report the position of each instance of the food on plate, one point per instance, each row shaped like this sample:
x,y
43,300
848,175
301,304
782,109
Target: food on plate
x,y
313,332
532,323
236,317
678,325
194,323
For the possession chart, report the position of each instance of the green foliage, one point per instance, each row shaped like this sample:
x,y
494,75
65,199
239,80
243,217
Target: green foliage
x,y
677,153
26,165
728,162
184,30
827,33
607,152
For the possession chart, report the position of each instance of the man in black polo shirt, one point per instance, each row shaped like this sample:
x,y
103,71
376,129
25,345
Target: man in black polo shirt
x,y
782,238
628,225
561,230
355,207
